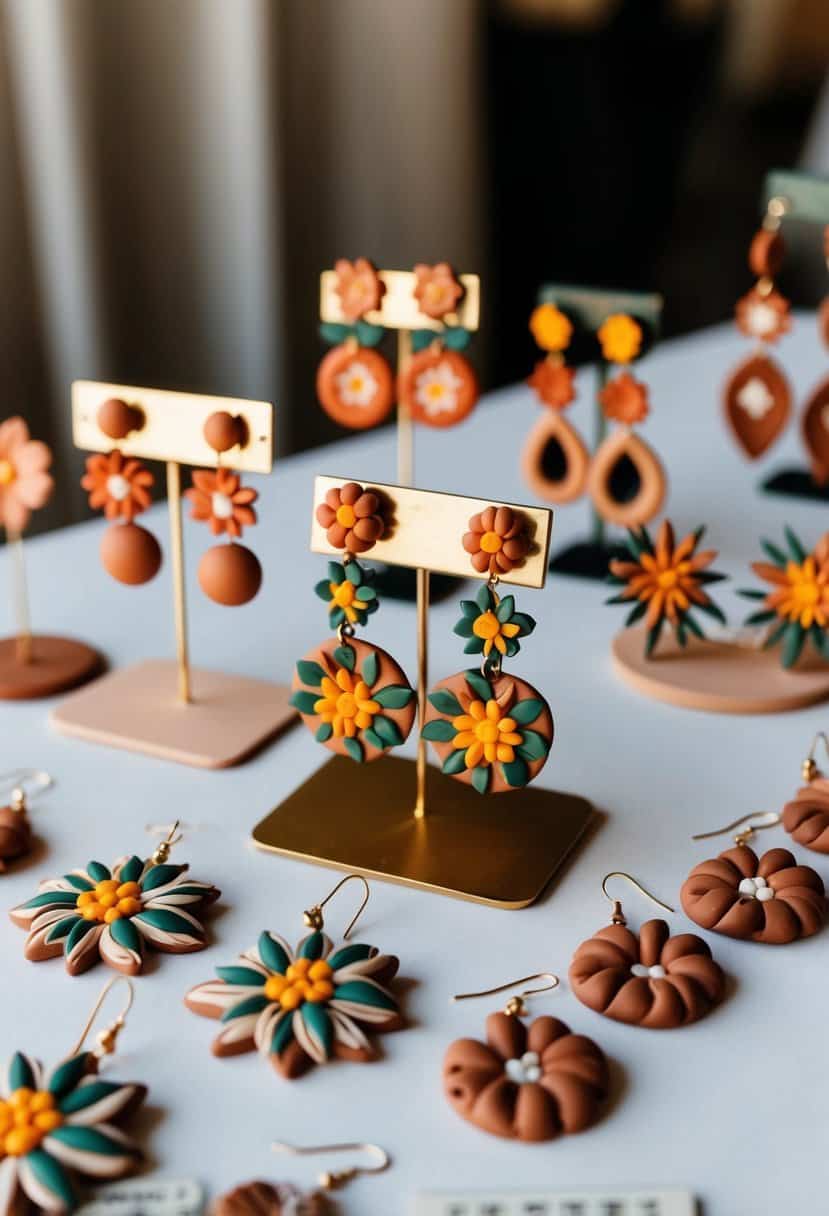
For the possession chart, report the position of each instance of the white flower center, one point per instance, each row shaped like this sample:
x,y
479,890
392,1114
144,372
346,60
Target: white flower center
x,y
656,972
756,888
755,398
221,505
762,319
525,1070
118,487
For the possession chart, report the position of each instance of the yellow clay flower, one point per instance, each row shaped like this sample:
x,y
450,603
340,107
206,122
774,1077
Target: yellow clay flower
x,y
551,329
620,338
346,703
486,735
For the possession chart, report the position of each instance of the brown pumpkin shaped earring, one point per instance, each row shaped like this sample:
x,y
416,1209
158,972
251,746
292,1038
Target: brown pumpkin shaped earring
x,y
355,383
15,827
284,1199
806,817
647,979
438,385
530,1083
352,695
768,899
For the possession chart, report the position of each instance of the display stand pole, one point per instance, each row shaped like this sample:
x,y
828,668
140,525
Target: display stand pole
x,y
405,425
404,820
20,595
177,557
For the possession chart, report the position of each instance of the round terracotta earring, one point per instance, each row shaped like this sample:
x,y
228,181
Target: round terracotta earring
x,y
769,899
284,1199
625,400
351,694
806,817
815,422
555,460
15,827
491,730
120,485
228,574
438,384
355,384
530,1083
647,979
757,396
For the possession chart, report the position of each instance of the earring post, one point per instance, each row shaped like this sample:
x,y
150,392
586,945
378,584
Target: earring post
x,y
422,685
177,556
20,598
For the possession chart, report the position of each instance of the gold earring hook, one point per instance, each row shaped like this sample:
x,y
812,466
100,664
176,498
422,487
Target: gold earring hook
x,y
329,1180
515,1006
162,851
770,820
106,1038
618,917
313,916
23,783
809,769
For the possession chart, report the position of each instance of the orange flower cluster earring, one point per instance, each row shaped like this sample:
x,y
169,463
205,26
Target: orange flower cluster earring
x,y
120,486
355,383
438,384
555,459
624,400
228,574
491,730
351,694
757,395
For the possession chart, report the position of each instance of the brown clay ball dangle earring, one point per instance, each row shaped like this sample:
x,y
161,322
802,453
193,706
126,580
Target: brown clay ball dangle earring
x,y
531,1083
15,828
228,574
647,978
285,1199
769,899
806,817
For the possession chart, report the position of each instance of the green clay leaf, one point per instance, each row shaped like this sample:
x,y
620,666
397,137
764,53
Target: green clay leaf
x,y
272,954
243,977
393,696
125,934
534,746
283,1035
167,921
681,634
371,737
474,646
454,763
313,946
470,609
775,635
388,731
336,616
159,876
51,1175
346,656
438,731
354,750
324,732
445,702
371,669
367,594
87,1095
505,609
652,638
310,673
480,779
793,640
97,872
455,337
250,1004
777,555
421,338
61,929
689,620
749,594
713,610
636,613
362,993
352,571
304,701
516,774
67,1075
336,572
484,598
368,334
479,685
21,1073
346,955
795,547
82,927
319,1026
524,622
334,332
526,711
91,1140
131,870
463,628
760,618
512,647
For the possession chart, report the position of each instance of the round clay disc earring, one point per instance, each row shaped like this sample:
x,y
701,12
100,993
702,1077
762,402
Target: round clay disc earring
x,y
115,913
806,817
438,385
281,1199
491,730
355,384
62,1126
532,1083
647,978
351,694
15,827
769,899
304,1007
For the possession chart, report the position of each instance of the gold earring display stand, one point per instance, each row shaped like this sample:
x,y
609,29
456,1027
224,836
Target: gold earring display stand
x,y
403,820
164,708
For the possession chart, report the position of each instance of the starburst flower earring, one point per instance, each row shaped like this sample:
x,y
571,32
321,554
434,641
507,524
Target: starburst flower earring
x,y
352,694
438,385
355,383
62,1127
115,913
796,609
284,1199
304,1007
15,827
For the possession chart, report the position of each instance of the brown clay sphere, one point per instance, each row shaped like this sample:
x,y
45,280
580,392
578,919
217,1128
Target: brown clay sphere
x,y
130,554
224,431
230,574
116,419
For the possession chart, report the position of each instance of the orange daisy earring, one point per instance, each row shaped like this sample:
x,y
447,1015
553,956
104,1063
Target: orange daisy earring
x,y
555,459
120,486
229,574
625,400
352,695
438,384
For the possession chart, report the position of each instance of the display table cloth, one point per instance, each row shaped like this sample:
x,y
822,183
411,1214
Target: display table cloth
x,y
733,1107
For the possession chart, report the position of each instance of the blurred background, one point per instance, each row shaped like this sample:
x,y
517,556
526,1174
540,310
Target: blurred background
x,y
176,174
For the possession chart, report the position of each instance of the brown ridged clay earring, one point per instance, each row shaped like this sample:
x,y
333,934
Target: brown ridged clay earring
x,y
757,396
554,460
15,828
531,1083
647,978
625,400
282,1199
806,816
815,424
770,899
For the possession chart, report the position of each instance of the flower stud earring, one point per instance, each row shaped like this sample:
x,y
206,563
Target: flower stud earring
x,y
438,385
530,1083
806,817
351,694
647,979
259,1198
15,828
355,384
115,913
120,486
796,608
63,1126
303,1007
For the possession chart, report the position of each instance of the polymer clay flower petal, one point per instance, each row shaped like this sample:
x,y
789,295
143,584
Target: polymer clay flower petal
x,y
98,1152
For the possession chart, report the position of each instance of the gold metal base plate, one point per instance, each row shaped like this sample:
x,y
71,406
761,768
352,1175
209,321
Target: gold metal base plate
x,y
137,708
500,850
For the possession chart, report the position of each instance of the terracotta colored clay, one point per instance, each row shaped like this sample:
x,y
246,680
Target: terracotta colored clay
x,y
625,399
230,574
806,817
770,899
766,252
650,979
437,291
223,431
352,518
219,499
359,287
554,382
763,315
130,554
815,428
757,400
438,386
497,540
117,483
530,1083
117,419
508,690
823,320
56,664
550,429
25,483
652,482
355,386
266,1199
350,698
15,835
